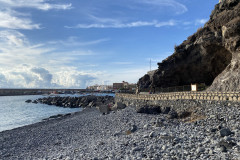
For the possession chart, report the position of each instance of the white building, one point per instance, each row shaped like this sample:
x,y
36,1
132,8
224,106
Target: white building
x,y
100,87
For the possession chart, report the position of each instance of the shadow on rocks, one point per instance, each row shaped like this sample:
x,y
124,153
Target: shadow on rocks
x,y
148,109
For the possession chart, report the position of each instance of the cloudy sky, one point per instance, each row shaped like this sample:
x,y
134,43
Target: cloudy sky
x,y
76,43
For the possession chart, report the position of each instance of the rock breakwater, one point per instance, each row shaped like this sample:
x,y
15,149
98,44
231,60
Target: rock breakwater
x,y
76,102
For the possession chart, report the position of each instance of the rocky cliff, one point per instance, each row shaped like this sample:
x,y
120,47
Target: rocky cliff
x,y
210,56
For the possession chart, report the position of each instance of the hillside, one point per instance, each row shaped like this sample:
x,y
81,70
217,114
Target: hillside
x,y
210,56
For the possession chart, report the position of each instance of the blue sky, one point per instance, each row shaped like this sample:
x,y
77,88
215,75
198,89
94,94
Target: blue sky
x,y
76,43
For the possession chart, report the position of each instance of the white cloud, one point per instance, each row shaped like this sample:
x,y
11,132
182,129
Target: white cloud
x,y
15,48
12,37
129,14
178,7
9,20
201,21
119,24
26,65
37,4
4,83
122,63
74,79
73,41
28,76
43,74
123,74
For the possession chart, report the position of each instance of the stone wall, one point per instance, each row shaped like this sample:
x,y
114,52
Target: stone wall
x,y
196,103
210,96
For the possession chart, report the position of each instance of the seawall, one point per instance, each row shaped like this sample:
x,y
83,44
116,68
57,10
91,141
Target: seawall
x,y
213,96
181,101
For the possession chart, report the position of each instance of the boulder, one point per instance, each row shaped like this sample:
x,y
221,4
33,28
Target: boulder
x,y
172,114
118,106
225,132
91,104
35,101
152,134
184,114
28,101
148,109
224,145
165,110
104,109
132,129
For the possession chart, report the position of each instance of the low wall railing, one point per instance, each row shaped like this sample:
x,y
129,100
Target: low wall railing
x,y
217,96
184,88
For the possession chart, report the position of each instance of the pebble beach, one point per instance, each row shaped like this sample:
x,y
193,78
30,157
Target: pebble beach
x,y
126,134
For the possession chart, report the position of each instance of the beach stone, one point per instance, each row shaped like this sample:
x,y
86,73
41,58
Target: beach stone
x,y
172,114
136,149
223,149
146,136
91,104
225,132
226,144
213,130
164,147
104,109
35,101
165,110
152,134
133,128
146,126
211,151
184,114
229,139
200,149
118,105
148,109
28,101
158,123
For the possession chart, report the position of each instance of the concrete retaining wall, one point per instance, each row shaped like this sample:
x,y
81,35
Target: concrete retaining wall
x,y
212,96
181,101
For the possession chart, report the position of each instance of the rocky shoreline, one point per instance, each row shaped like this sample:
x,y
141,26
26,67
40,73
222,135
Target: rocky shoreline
x,y
75,102
127,134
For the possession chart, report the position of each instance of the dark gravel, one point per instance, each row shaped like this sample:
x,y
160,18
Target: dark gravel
x,y
126,134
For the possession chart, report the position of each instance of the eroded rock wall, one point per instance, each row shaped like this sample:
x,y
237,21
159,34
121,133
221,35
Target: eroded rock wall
x,y
209,56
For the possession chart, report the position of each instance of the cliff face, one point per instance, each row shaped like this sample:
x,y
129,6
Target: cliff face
x,y
210,56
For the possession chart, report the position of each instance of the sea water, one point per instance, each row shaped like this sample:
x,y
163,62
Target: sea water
x,y
15,112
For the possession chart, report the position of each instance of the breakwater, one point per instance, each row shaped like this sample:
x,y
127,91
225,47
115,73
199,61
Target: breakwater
x,y
14,92
76,102
39,91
